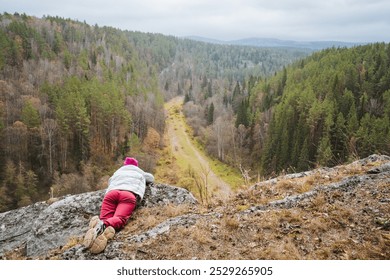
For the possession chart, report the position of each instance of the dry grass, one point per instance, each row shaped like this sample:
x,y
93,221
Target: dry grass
x,y
231,223
16,254
144,219
336,224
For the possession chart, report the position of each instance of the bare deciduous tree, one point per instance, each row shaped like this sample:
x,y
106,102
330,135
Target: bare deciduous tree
x,y
49,133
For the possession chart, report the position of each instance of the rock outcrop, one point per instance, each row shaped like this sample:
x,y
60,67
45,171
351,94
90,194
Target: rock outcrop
x,y
328,213
344,214
38,228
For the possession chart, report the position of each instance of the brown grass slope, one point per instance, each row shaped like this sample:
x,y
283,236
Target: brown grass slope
x,y
339,213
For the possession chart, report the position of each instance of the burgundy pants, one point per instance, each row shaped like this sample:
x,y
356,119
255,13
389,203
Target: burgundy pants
x,y
117,208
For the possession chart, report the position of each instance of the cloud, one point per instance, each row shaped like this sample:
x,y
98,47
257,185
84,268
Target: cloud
x,y
348,20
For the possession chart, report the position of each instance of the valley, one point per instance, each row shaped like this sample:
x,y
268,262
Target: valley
x,y
189,159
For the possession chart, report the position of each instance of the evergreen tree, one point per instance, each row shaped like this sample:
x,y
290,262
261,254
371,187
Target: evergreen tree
x,y
30,115
209,93
237,90
353,123
304,162
242,114
365,141
179,90
210,114
324,153
340,139
187,98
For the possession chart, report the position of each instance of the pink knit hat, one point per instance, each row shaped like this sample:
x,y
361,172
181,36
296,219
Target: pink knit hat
x,y
130,161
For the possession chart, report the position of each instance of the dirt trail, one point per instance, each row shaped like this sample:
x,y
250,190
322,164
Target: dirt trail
x,y
185,151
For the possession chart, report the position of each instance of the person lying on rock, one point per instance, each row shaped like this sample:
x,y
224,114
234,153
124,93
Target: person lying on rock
x,y
125,189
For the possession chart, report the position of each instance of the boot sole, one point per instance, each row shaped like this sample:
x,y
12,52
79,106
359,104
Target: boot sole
x,y
89,238
100,243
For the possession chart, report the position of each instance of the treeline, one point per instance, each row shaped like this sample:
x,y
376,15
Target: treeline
x,y
199,64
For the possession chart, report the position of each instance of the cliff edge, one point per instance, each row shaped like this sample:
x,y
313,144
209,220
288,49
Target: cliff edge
x,y
327,213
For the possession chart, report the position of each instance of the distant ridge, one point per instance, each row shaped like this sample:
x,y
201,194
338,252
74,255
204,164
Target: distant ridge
x,y
277,43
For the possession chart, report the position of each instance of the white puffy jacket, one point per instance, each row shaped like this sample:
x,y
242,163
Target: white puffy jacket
x,y
130,178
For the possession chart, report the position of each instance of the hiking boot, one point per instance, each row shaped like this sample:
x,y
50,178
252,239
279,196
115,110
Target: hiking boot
x,y
96,228
94,220
100,242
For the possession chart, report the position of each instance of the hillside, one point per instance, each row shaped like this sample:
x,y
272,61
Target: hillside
x,y
332,107
326,213
324,110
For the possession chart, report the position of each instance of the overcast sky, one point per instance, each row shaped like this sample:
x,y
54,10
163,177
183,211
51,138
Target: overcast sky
x,y
302,20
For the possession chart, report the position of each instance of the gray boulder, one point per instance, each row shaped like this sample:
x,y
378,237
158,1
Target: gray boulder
x,y
38,228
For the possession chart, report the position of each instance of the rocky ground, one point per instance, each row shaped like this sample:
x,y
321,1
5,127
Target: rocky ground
x,y
327,213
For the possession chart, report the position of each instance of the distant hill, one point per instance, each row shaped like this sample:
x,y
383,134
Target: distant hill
x,y
277,43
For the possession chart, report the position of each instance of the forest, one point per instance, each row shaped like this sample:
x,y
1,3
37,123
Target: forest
x,y
76,98
326,109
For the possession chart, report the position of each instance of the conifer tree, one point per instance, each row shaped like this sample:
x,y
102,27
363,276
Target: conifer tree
x,y
210,114
30,116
